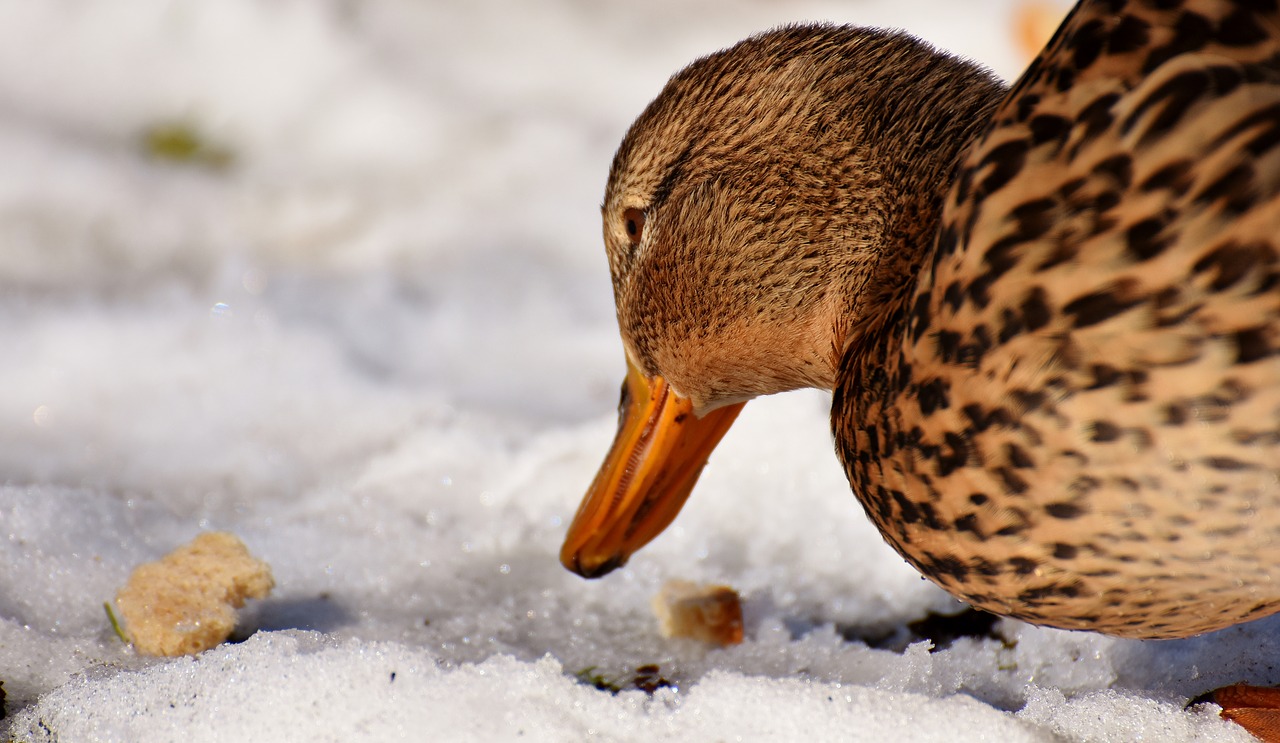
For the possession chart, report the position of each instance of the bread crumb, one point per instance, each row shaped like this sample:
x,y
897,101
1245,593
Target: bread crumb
x,y
186,602
712,614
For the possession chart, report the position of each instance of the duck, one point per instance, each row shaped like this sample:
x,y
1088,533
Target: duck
x,y
1048,313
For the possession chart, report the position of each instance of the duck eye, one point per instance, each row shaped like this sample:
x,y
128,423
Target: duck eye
x,y
633,220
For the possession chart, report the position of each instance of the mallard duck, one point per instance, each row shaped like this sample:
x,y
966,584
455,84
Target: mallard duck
x,y
1049,315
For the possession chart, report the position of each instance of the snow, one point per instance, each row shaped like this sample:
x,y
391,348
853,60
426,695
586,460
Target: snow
x,y
379,346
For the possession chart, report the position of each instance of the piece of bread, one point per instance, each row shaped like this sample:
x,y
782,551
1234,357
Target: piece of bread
x,y
712,614
186,602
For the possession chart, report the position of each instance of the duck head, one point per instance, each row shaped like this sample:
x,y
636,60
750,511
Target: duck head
x,y
765,204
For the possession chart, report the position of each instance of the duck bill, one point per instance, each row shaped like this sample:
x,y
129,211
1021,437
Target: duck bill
x,y
656,457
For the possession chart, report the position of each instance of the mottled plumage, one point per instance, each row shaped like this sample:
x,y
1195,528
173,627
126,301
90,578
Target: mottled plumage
x,y
1050,315
1076,418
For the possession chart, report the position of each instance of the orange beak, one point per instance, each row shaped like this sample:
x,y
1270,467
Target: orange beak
x,y
657,455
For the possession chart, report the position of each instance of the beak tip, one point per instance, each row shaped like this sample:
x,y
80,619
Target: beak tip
x,y
592,569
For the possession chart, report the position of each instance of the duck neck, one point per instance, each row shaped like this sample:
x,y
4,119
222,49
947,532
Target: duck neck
x,y
925,127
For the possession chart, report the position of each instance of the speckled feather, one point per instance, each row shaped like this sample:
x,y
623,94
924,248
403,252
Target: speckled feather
x,y
1050,316
1076,418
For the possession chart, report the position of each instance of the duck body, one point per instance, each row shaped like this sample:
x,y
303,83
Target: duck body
x,y
1050,315
1075,418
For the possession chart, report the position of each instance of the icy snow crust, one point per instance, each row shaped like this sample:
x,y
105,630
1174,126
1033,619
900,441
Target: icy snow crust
x,y
379,346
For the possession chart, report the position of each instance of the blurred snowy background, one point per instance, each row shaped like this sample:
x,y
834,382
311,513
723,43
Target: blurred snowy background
x,y
327,274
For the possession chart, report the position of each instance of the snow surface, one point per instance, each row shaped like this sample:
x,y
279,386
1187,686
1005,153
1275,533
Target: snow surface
x,y
379,346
